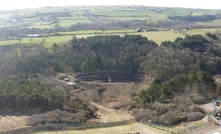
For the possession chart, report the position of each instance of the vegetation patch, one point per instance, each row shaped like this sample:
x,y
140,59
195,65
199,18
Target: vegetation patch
x,y
167,102
56,117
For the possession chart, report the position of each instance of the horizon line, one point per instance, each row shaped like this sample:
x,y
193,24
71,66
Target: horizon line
x,y
106,6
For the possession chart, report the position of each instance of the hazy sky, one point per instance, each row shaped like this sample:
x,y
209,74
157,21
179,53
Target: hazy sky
x,y
18,4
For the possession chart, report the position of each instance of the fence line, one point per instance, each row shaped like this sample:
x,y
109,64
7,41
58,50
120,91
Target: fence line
x,y
59,127
186,129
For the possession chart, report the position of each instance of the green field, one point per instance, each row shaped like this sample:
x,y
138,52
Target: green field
x,y
130,14
88,32
157,36
47,21
77,15
48,42
160,36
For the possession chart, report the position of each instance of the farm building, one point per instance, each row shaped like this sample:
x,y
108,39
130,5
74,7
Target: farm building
x,y
34,35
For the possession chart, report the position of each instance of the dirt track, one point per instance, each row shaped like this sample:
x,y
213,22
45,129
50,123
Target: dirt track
x,y
107,114
104,112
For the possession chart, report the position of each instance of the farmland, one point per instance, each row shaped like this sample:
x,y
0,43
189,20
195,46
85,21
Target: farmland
x,y
100,20
157,36
49,17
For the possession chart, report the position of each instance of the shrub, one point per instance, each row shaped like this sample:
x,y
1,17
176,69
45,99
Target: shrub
x,y
124,104
194,116
160,108
57,116
173,116
145,113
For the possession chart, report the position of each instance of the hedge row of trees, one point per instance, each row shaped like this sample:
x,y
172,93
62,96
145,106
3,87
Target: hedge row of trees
x,y
194,18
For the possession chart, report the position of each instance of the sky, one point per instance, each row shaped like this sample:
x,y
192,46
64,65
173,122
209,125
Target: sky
x,y
21,4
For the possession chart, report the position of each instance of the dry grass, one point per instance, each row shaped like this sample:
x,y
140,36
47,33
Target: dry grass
x,y
12,122
160,36
110,115
132,128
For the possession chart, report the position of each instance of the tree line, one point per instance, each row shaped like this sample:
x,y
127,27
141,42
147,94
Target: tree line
x,y
195,18
184,84
129,53
134,53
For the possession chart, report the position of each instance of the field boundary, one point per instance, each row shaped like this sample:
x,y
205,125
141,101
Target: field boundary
x,y
211,120
186,129
61,127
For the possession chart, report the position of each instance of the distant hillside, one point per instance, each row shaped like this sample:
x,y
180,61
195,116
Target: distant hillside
x,y
63,19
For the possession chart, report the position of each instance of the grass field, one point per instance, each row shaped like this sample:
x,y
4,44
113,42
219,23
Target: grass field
x,y
157,36
29,16
107,116
77,14
48,42
160,36
62,23
130,14
87,32
131,128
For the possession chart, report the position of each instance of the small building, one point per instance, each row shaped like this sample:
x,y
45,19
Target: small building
x,y
34,35
183,30
66,79
71,83
139,30
56,34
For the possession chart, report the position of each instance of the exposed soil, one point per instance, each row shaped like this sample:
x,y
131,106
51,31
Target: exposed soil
x,y
109,87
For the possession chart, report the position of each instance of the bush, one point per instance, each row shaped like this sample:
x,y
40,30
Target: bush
x,y
145,113
160,108
212,36
173,116
194,116
124,104
57,116
194,108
